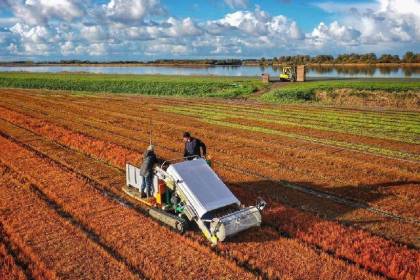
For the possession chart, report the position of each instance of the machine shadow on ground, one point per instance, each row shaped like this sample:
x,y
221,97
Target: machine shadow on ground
x,y
324,208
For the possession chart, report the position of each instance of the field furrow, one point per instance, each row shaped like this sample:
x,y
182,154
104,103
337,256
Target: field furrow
x,y
127,116
189,108
393,250
61,247
403,199
129,233
367,172
138,123
11,268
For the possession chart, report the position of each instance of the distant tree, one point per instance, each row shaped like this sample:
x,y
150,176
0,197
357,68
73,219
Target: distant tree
x,y
369,58
409,57
275,60
322,59
387,58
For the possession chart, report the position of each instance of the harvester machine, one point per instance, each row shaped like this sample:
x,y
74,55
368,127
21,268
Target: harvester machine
x,y
188,192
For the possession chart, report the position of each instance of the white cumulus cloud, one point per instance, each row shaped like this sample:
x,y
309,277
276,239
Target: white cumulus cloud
x,y
131,11
38,12
237,4
137,29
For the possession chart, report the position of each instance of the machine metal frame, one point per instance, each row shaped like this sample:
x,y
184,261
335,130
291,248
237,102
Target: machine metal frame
x,y
191,192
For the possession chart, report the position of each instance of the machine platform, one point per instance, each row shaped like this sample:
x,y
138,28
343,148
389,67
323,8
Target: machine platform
x,y
135,193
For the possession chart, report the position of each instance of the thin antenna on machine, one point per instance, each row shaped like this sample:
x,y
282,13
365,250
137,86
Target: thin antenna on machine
x,y
150,131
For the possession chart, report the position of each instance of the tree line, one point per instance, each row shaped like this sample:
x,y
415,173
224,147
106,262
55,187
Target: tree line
x,y
353,58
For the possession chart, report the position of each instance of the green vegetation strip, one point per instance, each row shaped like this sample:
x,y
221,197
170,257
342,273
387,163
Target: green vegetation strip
x,y
225,87
375,130
219,119
411,123
301,92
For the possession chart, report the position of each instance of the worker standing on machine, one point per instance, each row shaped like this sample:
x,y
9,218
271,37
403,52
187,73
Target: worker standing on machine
x,y
146,171
194,147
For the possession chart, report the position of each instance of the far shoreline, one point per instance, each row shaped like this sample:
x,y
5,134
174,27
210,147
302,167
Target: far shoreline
x,y
192,65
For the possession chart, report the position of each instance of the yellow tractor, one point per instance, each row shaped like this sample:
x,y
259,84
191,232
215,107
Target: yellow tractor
x,y
288,73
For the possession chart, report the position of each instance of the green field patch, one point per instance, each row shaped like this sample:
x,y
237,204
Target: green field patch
x,y
220,118
224,87
304,92
374,130
405,124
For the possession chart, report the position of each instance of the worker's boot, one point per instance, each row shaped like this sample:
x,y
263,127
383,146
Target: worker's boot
x,y
142,194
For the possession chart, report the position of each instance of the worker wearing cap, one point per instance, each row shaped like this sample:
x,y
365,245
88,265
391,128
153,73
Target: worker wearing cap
x,y
194,147
146,170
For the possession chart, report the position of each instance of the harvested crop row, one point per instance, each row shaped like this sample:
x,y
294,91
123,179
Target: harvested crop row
x,y
30,264
283,174
395,233
312,159
60,247
388,247
9,269
213,109
372,252
157,104
405,191
344,133
161,121
104,158
272,266
122,116
130,234
323,114
376,129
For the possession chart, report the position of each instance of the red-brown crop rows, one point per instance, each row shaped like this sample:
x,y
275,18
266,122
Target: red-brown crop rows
x,y
133,236
397,203
111,137
52,242
369,181
9,269
273,266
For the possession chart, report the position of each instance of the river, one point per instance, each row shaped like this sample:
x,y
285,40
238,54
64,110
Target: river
x,y
312,72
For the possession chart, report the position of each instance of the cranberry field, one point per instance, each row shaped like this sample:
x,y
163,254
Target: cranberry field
x,y
342,187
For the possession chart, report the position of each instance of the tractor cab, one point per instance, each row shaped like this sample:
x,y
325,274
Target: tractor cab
x,y
288,73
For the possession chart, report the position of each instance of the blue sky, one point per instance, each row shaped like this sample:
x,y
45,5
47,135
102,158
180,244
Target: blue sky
x,y
151,29
303,12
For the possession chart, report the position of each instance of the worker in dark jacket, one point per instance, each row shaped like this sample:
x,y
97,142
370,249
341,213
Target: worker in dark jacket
x,y
193,147
146,170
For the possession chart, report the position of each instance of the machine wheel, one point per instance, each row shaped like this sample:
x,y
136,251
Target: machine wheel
x,y
181,226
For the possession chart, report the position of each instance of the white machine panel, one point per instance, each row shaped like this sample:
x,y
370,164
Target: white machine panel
x,y
135,180
203,188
